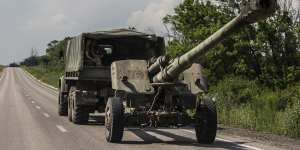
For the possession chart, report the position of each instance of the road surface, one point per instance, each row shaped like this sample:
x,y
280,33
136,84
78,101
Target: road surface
x,y
29,121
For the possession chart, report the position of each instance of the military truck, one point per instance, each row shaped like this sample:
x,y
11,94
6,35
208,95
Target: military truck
x,y
87,83
126,75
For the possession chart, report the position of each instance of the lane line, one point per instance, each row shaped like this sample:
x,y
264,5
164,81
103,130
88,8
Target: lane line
x,y
229,141
46,115
37,107
61,128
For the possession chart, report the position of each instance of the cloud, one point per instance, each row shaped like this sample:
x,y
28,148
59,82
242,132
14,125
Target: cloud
x,y
34,23
150,18
81,16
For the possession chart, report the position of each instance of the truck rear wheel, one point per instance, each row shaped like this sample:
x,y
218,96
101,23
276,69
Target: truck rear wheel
x,y
76,113
80,115
69,111
70,103
114,121
206,122
62,105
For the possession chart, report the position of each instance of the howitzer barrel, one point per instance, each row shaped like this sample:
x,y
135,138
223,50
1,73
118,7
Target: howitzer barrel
x,y
251,11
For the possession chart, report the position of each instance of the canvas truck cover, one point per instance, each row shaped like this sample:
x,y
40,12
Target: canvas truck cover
x,y
74,54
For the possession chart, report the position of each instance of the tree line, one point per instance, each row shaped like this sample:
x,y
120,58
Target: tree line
x,y
267,51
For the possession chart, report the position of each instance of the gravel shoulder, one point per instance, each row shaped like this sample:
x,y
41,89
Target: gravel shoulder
x,y
264,138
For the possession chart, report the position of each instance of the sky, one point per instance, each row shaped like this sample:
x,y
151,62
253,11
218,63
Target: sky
x,y
32,24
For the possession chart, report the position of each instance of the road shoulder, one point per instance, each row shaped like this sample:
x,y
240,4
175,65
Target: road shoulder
x,y
263,138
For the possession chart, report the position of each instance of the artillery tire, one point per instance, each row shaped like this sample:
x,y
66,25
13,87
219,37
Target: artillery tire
x,y
62,106
114,122
206,122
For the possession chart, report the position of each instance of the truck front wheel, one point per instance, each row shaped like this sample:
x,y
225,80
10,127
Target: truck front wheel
x,y
62,105
114,121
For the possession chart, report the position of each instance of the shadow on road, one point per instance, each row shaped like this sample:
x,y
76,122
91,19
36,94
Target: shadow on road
x,y
178,140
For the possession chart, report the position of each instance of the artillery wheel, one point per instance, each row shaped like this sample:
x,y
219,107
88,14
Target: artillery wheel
x,y
62,105
114,121
206,122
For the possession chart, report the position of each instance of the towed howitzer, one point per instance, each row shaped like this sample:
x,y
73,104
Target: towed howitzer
x,y
161,91
251,12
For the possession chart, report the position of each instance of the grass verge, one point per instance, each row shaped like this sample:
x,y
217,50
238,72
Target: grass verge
x,y
1,69
46,75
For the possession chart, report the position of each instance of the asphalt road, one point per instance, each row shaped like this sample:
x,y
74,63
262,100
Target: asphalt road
x,y
29,121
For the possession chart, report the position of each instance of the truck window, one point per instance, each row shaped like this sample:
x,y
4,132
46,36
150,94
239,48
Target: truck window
x,y
103,52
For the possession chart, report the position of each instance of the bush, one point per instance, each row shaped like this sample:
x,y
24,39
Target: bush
x,y
234,91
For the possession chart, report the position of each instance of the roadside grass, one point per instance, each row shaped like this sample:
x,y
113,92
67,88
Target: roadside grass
x,y
45,74
247,104
1,69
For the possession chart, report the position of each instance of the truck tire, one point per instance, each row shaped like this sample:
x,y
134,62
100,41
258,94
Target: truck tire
x,y
206,122
80,115
76,113
70,103
62,105
70,112
114,120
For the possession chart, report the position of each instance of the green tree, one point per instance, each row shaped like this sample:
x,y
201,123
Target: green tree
x,y
266,51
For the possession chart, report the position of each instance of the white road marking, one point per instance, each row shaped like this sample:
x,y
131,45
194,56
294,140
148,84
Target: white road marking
x,y
220,139
37,107
161,137
32,102
46,115
61,128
